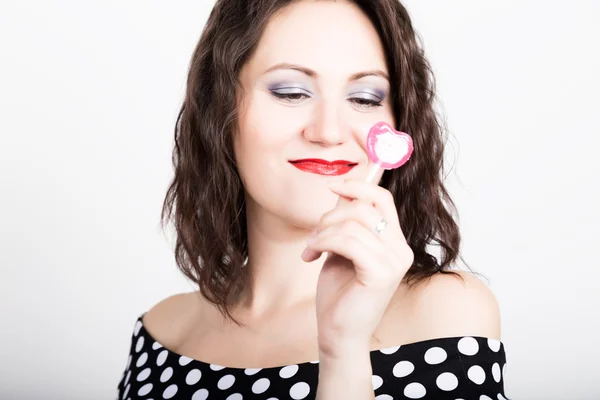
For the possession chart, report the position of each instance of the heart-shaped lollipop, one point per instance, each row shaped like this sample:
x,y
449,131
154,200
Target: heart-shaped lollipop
x,y
387,148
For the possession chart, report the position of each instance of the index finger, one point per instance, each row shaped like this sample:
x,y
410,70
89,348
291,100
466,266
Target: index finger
x,y
370,193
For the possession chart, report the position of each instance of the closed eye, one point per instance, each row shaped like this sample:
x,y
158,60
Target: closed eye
x,y
290,96
366,102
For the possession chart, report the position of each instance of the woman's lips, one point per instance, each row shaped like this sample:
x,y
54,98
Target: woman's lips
x,y
324,167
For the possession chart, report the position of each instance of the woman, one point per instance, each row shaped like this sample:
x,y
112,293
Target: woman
x,y
277,91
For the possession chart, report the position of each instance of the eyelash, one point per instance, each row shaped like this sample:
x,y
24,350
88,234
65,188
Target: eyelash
x,y
363,103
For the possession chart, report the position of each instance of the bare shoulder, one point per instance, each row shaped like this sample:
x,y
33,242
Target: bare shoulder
x,y
169,320
448,305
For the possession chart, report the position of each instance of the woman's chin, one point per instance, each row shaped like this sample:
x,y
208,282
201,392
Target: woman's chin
x,y
308,214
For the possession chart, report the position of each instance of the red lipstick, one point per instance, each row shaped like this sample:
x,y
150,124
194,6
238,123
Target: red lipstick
x,y
323,167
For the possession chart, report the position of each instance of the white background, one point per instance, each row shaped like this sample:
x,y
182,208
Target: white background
x,y
89,93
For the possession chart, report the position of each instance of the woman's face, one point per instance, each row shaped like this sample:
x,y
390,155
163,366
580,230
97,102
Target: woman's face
x,y
315,85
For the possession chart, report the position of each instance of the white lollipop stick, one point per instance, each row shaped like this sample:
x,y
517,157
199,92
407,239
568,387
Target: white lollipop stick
x,y
373,170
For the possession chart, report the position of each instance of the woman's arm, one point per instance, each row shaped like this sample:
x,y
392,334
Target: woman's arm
x,y
347,375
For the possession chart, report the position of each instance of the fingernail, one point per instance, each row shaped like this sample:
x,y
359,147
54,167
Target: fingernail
x,y
305,252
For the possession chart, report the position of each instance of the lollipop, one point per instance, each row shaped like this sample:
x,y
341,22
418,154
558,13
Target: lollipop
x,y
387,148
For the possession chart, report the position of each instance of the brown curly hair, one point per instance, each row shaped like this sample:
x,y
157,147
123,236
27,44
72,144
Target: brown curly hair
x,y
205,199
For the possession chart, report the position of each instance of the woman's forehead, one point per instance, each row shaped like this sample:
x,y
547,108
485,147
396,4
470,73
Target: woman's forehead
x,y
327,37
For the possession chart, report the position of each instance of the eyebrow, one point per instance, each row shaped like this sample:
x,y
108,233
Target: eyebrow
x,y
309,72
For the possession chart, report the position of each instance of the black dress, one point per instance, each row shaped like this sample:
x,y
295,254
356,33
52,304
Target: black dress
x,y
445,368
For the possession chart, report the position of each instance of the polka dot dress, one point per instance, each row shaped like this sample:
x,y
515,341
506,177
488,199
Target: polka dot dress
x,y
456,368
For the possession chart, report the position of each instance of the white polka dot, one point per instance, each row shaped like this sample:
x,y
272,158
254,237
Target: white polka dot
x,y
156,346
414,390
144,390
504,371
435,355
384,397
500,397
166,374
251,371
193,377
476,374
226,382
314,362
143,375
139,344
300,390
170,392
494,345
402,369
162,357
377,381
390,350
127,378
137,327
142,360
126,391
289,371
261,386
468,346
496,372
235,396
183,360
201,394
216,367
128,362
484,397
447,381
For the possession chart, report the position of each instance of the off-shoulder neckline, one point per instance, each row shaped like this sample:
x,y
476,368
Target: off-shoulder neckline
x,y
386,350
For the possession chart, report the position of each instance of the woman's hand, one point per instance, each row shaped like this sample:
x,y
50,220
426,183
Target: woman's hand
x,y
363,269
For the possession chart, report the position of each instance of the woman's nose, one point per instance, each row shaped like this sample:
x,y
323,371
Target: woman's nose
x,y
328,127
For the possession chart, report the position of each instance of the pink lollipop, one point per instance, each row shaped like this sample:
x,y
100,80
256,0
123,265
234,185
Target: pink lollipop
x,y
387,148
